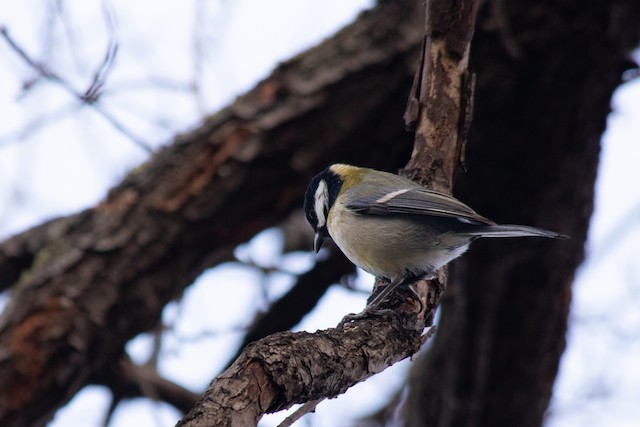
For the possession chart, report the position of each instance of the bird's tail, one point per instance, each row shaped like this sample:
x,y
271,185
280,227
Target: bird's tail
x,y
514,231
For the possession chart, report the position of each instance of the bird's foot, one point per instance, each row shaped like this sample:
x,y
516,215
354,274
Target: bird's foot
x,y
369,312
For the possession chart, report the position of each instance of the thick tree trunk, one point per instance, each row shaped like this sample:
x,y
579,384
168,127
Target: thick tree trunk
x,y
288,368
546,73
85,285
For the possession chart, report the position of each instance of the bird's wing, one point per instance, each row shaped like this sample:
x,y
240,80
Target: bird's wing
x,y
416,201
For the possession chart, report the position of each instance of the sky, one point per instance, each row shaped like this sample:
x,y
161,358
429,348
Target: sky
x,y
57,157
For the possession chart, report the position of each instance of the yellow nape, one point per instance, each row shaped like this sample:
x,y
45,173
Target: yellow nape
x,y
350,175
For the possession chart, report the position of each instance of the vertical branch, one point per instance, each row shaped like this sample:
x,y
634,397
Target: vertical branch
x,y
440,104
439,107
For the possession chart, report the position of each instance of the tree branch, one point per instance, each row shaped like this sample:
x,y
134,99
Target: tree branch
x,y
91,95
85,293
533,154
286,368
127,380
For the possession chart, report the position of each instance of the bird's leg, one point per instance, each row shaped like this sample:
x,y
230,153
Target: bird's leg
x,y
412,289
384,293
372,308
410,282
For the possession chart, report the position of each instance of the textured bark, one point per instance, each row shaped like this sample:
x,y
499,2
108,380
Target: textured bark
x,y
98,279
546,73
84,285
287,368
443,94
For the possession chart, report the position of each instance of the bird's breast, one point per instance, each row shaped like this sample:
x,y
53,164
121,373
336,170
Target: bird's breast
x,y
390,246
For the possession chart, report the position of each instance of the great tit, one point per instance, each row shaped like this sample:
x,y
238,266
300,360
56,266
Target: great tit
x,y
394,228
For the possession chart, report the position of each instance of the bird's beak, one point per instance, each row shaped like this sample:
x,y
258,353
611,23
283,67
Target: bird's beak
x,y
317,242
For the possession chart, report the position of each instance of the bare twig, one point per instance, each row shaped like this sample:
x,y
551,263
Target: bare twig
x,y
90,96
111,410
305,409
127,380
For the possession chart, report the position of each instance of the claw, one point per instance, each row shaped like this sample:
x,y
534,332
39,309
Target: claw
x,y
369,312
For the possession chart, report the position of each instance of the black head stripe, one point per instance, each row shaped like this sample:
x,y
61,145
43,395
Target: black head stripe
x,y
333,182
309,201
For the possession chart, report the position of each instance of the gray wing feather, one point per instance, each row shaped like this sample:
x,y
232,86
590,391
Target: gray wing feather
x,y
417,201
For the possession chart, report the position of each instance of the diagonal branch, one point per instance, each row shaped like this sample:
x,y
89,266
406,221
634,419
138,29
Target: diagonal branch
x,y
284,369
127,380
288,368
79,297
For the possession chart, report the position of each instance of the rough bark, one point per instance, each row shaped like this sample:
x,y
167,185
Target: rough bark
x,y
99,278
546,73
442,94
287,368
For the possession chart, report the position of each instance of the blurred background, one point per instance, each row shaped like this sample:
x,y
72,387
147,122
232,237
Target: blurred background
x,y
160,67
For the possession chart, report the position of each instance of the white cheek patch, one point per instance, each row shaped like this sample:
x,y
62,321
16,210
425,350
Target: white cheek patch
x,y
389,196
322,201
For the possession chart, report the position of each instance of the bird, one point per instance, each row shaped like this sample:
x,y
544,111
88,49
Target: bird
x,y
394,228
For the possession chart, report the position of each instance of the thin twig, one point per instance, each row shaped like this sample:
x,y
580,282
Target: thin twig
x,y
305,409
92,94
115,400
84,98
121,128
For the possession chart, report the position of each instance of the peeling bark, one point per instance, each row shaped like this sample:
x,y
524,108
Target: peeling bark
x,y
107,275
546,73
84,285
288,368
306,367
